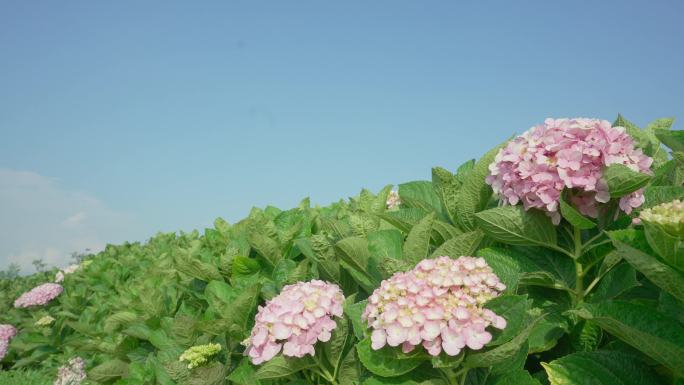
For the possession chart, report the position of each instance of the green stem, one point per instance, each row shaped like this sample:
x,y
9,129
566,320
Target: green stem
x,y
465,375
579,274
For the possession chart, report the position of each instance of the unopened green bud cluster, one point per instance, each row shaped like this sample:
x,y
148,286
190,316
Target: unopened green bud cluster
x,y
669,215
200,354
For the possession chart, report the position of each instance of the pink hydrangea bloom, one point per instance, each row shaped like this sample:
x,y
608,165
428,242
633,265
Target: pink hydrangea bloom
x,y
73,373
438,305
295,320
59,277
7,332
39,295
535,167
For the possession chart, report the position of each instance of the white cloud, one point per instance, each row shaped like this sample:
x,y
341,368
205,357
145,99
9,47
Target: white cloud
x,y
40,218
74,220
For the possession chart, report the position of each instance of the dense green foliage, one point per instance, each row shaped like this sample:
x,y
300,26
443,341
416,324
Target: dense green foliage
x,y
588,302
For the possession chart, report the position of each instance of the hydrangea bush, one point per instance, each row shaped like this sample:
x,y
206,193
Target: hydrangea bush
x,y
555,258
438,304
301,315
39,295
535,167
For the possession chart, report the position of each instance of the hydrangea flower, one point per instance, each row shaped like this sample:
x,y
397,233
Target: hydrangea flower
x,y
39,295
669,215
295,320
438,304
59,277
71,269
73,373
535,167
7,332
199,355
45,321
393,200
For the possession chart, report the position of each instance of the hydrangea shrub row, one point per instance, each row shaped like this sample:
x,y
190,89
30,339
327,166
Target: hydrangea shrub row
x,y
440,282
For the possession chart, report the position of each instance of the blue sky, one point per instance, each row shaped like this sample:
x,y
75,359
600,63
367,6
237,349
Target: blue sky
x,y
121,119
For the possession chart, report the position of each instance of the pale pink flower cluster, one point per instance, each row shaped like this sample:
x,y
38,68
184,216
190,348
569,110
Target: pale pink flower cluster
x,y
295,320
39,295
7,332
438,304
59,277
535,167
73,373
393,200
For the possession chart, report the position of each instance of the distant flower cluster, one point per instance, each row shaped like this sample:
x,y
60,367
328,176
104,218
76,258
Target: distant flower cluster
x,y
669,215
39,295
199,355
45,321
59,277
393,200
73,373
438,305
535,167
295,320
7,332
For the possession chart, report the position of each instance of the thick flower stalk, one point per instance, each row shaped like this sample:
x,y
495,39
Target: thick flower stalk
x,y
73,373
393,200
7,332
199,355
39,295
295,320
670,216
45,321
535,167
438,304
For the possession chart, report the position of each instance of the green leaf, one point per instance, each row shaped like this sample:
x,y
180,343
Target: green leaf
x,y
220,297
546,333
618,280
519,377
354,311
655,195
574,217
475,192
408,379
421,194
385,362
334,348
108,370
446,185
385,244
657,272
658,335
463,244
243,309
668,247
281,366
599,368
328,266
417,242
244,266
672,139
622,180
349,371
355,257
405,218
267,248
499,354
586,336
513,308
515,226
244,374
